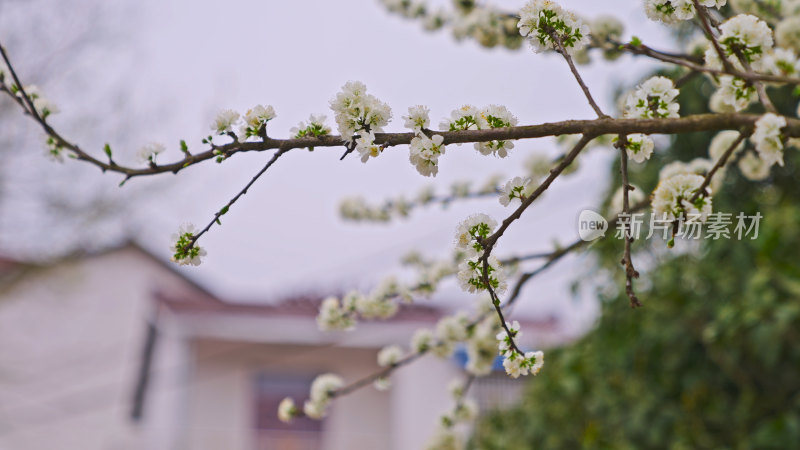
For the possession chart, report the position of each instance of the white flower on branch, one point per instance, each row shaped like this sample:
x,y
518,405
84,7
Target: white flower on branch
x,y
366,146
315,127
421,340
184,251
472,229
669,11
418,118
446,438
471,275
495,116
463,118
697,166
546,24
655,98
517,365
745,36
321,389
671,198
287,410
736,92
148,152
639,147
481,348
357,112
390,355
515,190
424,153
224,121
781,62
767,138
333,316
254,120
787,33
754,168
722,142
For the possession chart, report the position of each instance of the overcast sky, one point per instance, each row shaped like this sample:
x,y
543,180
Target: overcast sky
x,y
182,60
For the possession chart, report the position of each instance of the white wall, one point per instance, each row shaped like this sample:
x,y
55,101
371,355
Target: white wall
x,y
70,342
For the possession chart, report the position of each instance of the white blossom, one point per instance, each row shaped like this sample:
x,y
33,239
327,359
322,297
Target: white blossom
x,y
754,168
481,348
355,112
254,119
745,35
418,118
224,121
148,153
287,410
782,62
639,147
672,195
465,411
495,116
452,328
315,126
767,138
721,142
787,33
655,98
514,190
382,383
463,118
332,316
472,228
421,340
517,364
544,22
424,153
669,11
321,389
390,355
181,252
446,439
471,279
736,92
366,146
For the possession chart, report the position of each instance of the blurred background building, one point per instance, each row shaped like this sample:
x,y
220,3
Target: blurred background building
x,y
117,350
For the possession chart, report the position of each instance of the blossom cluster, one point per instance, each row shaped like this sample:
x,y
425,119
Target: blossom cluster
x,y
674,11
252,124
315,127
464,411
423,151
469,117
322,389
184,250
515,191
358,117
674,195
358,209
470,235
655,98
515,362
548,26
378,304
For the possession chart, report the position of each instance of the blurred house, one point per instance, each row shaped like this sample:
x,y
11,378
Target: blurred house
x,y
118,350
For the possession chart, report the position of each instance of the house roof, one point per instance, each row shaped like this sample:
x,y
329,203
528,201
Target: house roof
x,y
295,306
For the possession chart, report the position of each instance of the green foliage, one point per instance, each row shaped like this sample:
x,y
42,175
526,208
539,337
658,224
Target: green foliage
x,y
712,359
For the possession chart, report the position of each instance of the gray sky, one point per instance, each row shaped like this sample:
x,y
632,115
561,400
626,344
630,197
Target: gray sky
x,y
182,60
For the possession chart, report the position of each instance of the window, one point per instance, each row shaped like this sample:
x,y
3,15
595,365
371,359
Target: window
x,y
271,433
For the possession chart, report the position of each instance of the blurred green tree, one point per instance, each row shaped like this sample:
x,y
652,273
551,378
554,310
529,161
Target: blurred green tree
x,y
711,361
